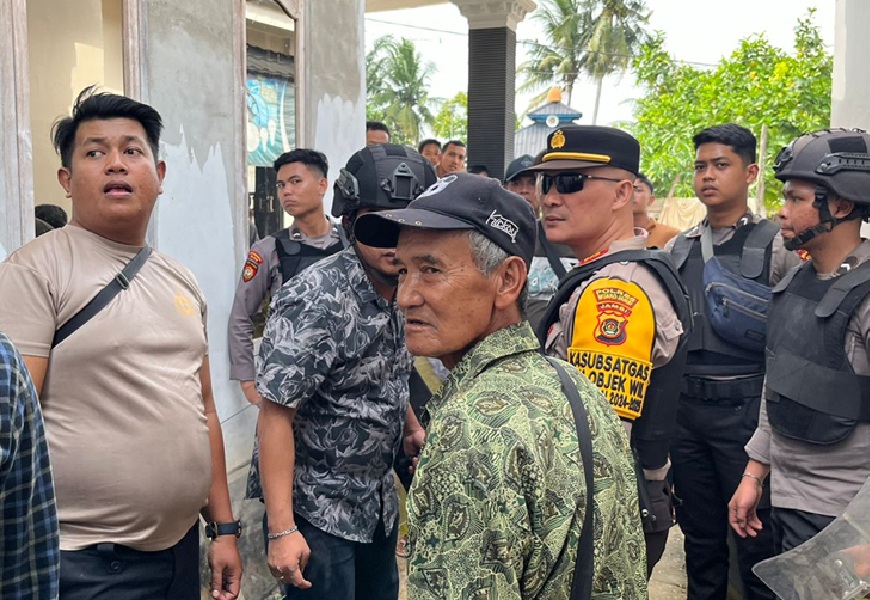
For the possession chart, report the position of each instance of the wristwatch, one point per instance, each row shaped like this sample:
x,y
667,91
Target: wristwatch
x,y
212,530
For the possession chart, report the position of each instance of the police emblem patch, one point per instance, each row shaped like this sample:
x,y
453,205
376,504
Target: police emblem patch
x,y
250,270
558,139
612,341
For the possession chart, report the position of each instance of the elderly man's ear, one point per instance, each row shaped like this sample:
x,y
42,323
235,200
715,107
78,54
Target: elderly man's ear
x,y
511,279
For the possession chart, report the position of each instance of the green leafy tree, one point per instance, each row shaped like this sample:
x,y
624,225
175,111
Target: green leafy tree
x,y
593,37
451,122
758,84
397,82
566,26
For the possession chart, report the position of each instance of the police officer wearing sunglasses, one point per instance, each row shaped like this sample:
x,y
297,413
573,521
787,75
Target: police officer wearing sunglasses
x,y
622,315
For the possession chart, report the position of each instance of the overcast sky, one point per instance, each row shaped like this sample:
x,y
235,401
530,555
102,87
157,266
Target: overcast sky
x,y
698,31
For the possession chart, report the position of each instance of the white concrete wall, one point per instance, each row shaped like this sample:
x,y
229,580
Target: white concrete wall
x,y
332,83
851,87
191,73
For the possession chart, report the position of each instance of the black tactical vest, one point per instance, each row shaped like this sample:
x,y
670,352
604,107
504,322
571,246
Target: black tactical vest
x,y
296,256
652,432
747,253
813,394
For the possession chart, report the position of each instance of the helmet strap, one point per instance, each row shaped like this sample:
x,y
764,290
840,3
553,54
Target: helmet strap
x,y
826,222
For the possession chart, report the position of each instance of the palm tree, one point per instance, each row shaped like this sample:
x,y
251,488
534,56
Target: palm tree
x,y
559,61
617,32
595,37
397,85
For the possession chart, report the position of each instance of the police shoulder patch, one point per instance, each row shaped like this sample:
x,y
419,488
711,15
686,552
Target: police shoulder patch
x,y
612,341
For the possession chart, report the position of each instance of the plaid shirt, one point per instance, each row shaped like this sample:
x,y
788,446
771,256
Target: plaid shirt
x,y
29,538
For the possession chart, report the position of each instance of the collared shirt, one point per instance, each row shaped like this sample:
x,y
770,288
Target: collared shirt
x,y
498,499
261,278
334,350
821,479
781,260
30,543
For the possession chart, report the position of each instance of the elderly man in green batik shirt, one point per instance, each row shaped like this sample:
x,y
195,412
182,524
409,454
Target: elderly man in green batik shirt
x,y
497,504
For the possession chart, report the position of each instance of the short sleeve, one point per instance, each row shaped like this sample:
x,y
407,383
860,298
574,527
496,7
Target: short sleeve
x,y
27,309
298,347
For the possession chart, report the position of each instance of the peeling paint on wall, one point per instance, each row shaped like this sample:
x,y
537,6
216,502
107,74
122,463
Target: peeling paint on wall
x,y
335,138
195,226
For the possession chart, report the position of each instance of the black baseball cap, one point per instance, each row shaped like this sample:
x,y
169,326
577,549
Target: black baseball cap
x,y
458,201
518,166
579,146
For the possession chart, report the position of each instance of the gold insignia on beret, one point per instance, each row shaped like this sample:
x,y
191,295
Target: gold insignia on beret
x,y
558,139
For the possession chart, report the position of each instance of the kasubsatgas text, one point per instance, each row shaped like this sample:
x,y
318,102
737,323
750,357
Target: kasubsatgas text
x,y
622,380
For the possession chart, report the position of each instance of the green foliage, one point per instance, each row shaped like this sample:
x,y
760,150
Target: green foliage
x,y
397,82
566,26
757,85
451,122
595,37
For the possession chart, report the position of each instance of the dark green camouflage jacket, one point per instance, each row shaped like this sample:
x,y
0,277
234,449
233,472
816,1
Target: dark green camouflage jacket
x,y
499,496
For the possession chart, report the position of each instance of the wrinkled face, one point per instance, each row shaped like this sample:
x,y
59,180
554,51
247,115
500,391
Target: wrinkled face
x,y
300,189
376,136
452,159
580,218
113,181
721,177
447,302
524,185
797,212
642,198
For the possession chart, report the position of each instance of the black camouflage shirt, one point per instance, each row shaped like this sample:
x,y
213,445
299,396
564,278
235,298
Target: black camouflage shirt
x,y
334,350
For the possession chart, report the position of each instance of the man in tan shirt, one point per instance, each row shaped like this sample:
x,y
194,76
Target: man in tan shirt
x,y
657,235
135,439
621,315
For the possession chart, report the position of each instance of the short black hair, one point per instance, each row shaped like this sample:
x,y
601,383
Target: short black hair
x,y
458,143
91,105
478,169
51,214
645,180
377,126
430,142
739,139
309,158
42,227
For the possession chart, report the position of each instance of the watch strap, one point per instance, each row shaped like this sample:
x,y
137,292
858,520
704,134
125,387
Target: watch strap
x,y
213,530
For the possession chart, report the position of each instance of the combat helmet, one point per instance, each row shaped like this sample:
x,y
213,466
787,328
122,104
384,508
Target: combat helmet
x,y
381,177
838,159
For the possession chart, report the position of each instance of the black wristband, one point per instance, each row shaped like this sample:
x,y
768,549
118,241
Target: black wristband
x,y
213,530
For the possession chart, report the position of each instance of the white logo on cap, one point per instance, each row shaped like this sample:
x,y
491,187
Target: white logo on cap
x,y
499,222
438,186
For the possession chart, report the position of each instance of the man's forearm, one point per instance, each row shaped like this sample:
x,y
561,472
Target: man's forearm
x,y
277,463
757,469
219,508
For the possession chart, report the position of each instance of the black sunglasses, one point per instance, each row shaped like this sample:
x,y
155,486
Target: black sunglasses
x,y
568,183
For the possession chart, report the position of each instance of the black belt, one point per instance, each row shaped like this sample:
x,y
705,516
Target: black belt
x,y
722,391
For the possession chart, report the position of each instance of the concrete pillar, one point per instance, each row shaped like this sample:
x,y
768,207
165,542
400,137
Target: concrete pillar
x,y
332,87
492,79
851,88
16,175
